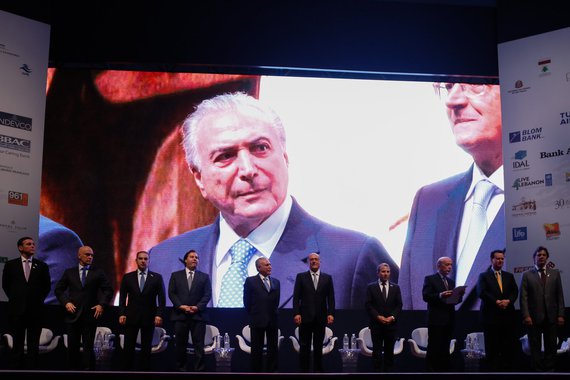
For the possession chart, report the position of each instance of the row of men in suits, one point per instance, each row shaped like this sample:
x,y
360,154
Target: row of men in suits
x,y
82,290
85,292
541,305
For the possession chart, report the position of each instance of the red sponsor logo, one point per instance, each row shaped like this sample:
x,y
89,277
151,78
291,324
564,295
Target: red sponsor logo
x,y
17,198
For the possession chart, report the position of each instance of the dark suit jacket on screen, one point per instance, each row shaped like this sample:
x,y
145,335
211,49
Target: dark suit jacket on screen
x,y
349,255
261,305
57,247
433,230
142,306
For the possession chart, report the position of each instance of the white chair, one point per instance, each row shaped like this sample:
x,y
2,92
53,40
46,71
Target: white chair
x,y
103,335
328,341
244,340
159,340
419,342
564,347
212,333
365,343
48,342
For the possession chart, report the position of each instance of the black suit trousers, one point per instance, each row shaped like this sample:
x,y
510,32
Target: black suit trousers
x,y
383,339
316,332
198,330
438,357
258,335
536,333
20,325
82,333
500,345
131,333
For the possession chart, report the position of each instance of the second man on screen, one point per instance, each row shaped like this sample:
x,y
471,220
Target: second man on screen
x,y
313,309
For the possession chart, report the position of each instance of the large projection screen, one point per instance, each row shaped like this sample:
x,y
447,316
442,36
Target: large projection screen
x,y
358,151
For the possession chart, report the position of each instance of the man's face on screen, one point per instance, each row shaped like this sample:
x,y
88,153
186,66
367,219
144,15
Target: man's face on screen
x,y
475,115
244,168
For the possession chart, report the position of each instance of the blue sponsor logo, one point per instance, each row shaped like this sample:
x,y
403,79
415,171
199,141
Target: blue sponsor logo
x,y
519,233
521,154
548,179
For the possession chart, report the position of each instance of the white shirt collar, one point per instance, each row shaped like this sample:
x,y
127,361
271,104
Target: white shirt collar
x,y
264,238
496,179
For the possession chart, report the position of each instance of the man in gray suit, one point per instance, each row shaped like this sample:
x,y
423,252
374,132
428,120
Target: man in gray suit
x,y
542,308
189,291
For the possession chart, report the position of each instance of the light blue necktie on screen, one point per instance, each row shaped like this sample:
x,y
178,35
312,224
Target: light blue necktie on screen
x,y
231,294
477,229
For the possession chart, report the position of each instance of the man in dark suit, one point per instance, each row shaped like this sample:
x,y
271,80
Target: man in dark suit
x,y
189,291
313,309
383,304
26,282
442,213
141,304
542,308
498,291
236,150
84,291
437,288
261,300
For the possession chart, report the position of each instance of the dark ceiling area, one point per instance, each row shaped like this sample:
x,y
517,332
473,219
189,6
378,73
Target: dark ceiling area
x,y
358,37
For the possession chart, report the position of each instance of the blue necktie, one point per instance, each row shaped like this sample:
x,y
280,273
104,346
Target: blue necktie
x,y
231,294
141,284
84,275
267,284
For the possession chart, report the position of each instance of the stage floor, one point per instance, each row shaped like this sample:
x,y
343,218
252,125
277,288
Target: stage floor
x,y
86,375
